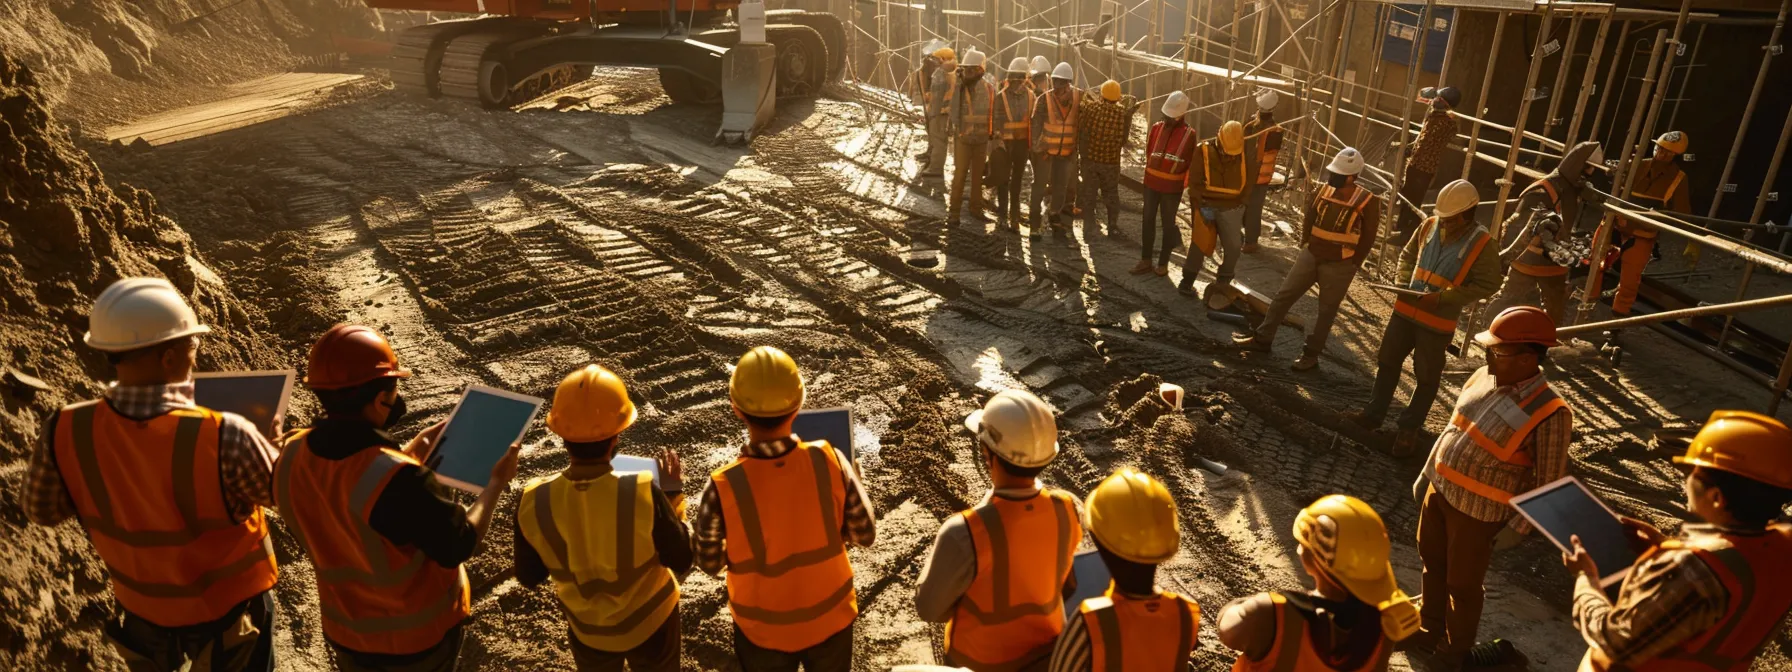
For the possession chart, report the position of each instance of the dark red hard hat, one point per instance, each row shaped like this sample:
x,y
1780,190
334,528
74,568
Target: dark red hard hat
x,y
348,355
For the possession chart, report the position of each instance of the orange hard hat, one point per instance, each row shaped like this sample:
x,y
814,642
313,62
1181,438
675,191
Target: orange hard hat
x,y
1520,324
1744,443
348,355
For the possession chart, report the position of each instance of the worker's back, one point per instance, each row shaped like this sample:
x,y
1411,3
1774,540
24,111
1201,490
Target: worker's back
x,y
1014,608
596,538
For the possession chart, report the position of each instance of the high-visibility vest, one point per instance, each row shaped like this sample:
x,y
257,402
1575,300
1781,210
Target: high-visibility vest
x,y
789,582
1167,157
1440,266
1502,434
1014,609
1293,651
944,104
596,538
1650,189
1266,165
1534,260
1017,127
374,596
1060,123
1221,184
979,111
149,495
1752,570
1143,635
1340,220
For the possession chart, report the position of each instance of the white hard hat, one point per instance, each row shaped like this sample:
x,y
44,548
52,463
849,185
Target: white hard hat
x,y
137,313
973,59
1018,427
1347,162
1040,65
1457,197
1018,66
1063,71
1175,105
1267,99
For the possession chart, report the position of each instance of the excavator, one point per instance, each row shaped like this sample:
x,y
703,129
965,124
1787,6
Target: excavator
x,y
519,50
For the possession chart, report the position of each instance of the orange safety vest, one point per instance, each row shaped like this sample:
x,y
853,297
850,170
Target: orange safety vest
x,y
1014,609
1534,260
1213,163
972,113
1752,570
1341,221
789,582
1650,191
1266,166
1017,128
149,494
1292,650
1503,437
1166,169
1060,125
374,596
1132,634
1440,267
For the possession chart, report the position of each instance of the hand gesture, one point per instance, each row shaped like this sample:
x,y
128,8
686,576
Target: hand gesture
x,y
423,445
1580,561
671,471
1643,536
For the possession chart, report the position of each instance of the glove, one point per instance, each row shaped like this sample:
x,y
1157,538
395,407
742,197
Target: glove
x,y
1506,539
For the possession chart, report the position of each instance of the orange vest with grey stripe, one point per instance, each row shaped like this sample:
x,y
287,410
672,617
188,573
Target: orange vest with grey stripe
x,y
1654,190
1013,611
789,582
1502,435
149,494
1060,123
1131,634
1017,127
1752,569
374,596
596,538
1293,650
1440,266
1534,260
1340,220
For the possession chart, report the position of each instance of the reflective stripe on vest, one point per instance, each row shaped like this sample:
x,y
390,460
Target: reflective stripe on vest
x,y
1502,437
1169,165
1292,650
1440,266
1654,200
1017,128
1215,168
789,581
374,596
1060,125
1266,158
1014,609
988,116
1340,222
1130,634
1752,570
150,496
597,544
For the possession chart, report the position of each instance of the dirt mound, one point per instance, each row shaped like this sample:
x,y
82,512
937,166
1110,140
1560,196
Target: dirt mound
x,y
64,235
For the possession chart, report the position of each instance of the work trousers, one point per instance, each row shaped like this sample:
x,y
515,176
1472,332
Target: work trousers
x,y
1520,286
833,654
1413,187
1253,213
1333,278
1053,174
1008,192
1160,210
938,144
1631,263
241,640
968,160
1105,178
660,653
1405,337
1230,223
443,657
1456,549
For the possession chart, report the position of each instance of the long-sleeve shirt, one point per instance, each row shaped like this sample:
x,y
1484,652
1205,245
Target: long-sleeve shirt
x,y
1434,137
1369,223
671,539
245,459
1074,651
1103,128
414,509
1668,598
1483,279
952,564
858,529
1197,175
1487,403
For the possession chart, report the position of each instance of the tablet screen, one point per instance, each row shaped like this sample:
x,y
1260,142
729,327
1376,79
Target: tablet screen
x,y
1564,508
1092,579
258,396
833,425
484,424
631,464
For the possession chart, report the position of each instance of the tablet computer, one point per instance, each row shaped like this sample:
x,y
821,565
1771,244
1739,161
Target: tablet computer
x,y
1092,579
484,423
831,424
259,396
633,464
1564,508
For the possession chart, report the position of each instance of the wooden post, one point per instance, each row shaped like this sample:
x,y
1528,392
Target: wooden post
x,y
1550,120
1611,79
1415,59
1602,236
1748,111
1340,61
1371,86
1748,270
1524,113
1641,142
1232,60
1586,80
1691,62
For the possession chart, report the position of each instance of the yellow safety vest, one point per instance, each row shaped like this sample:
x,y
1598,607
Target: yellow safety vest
x,y
596,538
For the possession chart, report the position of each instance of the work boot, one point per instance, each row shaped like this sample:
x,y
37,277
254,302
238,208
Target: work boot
x,y
1364,420
1249,248
1406,443
1251,342
1307,362
952,216
1188,289
1498,655
1141,268
1162,270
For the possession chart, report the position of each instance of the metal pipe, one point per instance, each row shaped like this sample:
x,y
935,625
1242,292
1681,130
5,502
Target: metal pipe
x,y
1683,313
1339,62
1773,173
1748,111
1691,62
1550,120
1381,37
1481,108
1586,80
1524,113
1743,250
1634,156
1443,72
1602,235
1415,59
1232,58
1611,77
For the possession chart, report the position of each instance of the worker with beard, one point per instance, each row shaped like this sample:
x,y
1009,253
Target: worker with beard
x,y
1055,144
1014,128
1427,150
1531,272
973,125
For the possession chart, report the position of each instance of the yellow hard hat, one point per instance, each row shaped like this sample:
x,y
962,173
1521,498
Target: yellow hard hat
x,y
766,383
1134,517
1351,544
1232,137
1750,445
590,405
1673,141
945,54
1110,91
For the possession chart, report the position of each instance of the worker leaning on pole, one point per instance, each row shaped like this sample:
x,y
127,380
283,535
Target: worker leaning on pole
x,y
779,518
614,544
1269,146
1710,598
170,493
1133,625
1352,616
1054,148
1448,261
1531,271
1337,232
997,573
1013,121
1659,184
938,112
1219,184
1104,130
388,542
1435,136
1169,148
973,126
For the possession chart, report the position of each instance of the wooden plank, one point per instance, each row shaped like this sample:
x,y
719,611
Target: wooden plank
x,y
249,103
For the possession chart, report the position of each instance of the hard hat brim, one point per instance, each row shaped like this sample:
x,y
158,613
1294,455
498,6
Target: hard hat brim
x,y
102,346
1339,169
1487,338
974,423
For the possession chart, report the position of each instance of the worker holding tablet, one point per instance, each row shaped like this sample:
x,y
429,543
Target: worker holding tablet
x,y
386,539
1709,598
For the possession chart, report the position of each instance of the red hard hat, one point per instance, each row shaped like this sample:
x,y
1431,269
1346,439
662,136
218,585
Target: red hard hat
x,y
1520,324
348,355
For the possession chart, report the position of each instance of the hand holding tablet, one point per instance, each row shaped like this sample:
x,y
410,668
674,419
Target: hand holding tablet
x,y
1592,537
480,437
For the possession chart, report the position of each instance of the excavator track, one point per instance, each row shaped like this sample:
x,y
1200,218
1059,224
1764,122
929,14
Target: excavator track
x,y
802,59
417,57
474,68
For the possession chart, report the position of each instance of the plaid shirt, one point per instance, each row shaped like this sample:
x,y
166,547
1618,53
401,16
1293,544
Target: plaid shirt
x,y
1102,127
859,528
1482,402
245,459
1434,136
1668,598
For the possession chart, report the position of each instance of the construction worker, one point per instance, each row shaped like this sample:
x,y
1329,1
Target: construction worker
x,y
1133,626
919,89
1104,129
1712,596
1014,126
1039,75
1269,146
1531,271
1659,184
938,112
387,541
1351,617
1337,233
1054,147
170,493
997,573
1219,185
778,518
1169,149
614,544
1508,434
1438,131
973,126
1447,263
